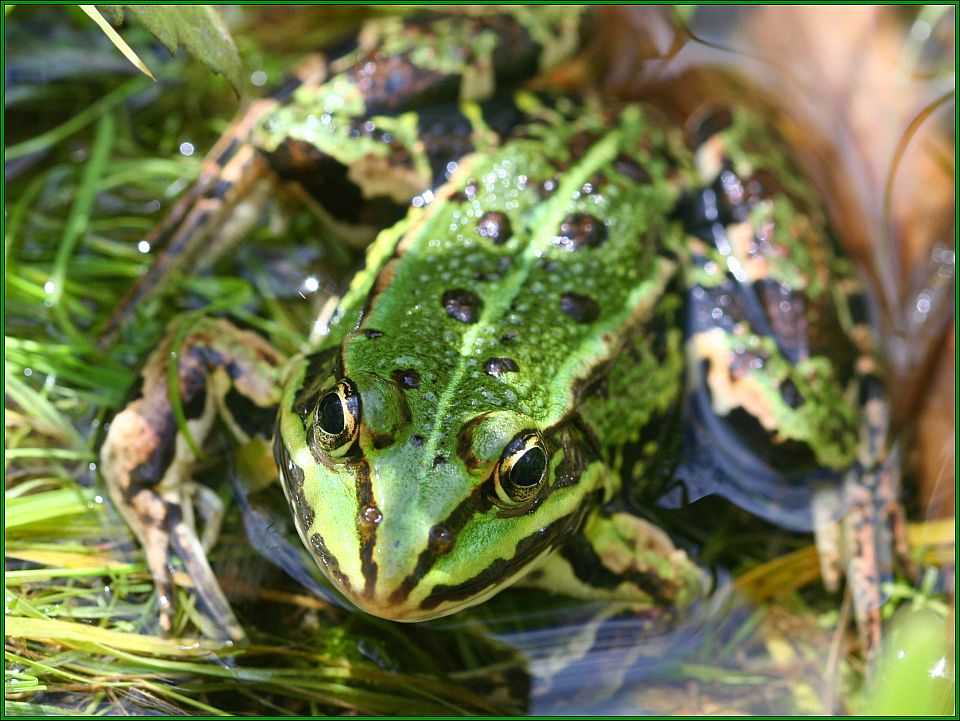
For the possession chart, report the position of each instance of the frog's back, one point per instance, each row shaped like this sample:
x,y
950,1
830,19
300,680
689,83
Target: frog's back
x,y
510,291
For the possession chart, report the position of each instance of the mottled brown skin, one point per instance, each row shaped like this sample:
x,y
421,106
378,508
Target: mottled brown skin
x,y
147,460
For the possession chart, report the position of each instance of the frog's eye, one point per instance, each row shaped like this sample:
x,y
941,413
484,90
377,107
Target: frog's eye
x,y
522,469
337,418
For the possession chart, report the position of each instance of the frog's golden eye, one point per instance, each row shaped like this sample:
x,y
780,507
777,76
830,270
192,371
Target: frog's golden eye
x,y
337,418
522,469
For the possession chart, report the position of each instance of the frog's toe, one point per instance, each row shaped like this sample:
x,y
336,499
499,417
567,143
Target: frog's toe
x,y
147,487
217,619
156,541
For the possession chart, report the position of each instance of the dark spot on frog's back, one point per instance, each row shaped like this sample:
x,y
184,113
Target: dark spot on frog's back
x,y
407,378
462,305
580,230
497,367
579,307
494,226
371,333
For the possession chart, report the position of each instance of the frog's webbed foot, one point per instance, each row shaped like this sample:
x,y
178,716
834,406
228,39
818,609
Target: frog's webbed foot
x,y
147,460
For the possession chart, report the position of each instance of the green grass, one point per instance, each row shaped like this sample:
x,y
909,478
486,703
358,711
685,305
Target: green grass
x,y
99,148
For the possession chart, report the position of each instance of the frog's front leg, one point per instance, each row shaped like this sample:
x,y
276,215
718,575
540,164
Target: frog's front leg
x,y
146,459
637,572
618,556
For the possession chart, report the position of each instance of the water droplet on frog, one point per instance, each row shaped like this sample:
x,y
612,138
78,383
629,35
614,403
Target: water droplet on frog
x,y
716,313
371,514
439,538
28,372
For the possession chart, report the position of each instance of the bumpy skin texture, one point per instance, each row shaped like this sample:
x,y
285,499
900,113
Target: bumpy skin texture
x,y
577,317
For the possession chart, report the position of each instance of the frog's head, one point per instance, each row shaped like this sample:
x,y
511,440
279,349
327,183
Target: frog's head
x,y
413,517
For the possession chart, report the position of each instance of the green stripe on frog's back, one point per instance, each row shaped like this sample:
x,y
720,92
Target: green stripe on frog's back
x,y
505,295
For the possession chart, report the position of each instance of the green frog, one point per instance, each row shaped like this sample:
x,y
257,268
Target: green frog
x,y
577,312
